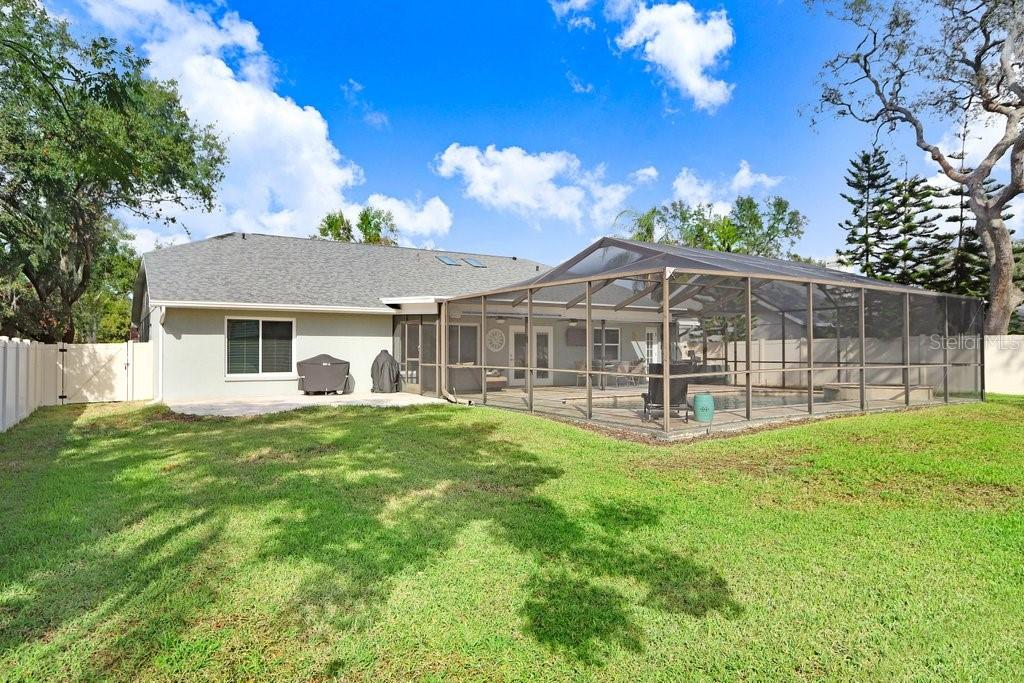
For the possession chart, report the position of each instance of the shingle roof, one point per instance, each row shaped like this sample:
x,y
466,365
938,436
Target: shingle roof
x,y
246,268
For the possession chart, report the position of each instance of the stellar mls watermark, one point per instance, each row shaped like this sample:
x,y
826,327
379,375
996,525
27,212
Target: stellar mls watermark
x,y
970,342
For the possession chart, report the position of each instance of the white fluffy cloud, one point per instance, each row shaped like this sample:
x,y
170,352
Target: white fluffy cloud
x,y
607,201
433,217
682,46
645,175
283,171
619,10
679,43
692,189
746,180
539,186
689,188
532,185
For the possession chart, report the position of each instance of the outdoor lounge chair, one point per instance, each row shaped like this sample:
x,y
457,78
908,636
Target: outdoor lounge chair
x,y
654,397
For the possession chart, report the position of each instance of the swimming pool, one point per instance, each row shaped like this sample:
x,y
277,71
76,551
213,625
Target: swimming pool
x,y
761,399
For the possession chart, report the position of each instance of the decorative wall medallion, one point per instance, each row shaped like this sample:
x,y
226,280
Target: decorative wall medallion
x,y
495,340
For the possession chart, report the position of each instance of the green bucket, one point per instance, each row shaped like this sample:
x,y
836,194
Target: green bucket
x,y
704,407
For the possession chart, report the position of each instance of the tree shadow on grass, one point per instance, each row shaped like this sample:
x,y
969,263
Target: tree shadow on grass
x,y
367,496
57,571
574,610
574,616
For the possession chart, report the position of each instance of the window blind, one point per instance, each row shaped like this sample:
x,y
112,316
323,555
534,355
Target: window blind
x,y
277,346
243,346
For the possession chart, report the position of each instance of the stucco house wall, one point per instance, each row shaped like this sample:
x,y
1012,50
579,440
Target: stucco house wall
x,y
192,349
566,357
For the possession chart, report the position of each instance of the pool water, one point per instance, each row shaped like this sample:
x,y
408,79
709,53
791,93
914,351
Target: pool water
x,y
731,401
726,400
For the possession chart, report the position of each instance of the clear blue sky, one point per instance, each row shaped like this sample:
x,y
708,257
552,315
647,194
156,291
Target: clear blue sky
x,y
399,83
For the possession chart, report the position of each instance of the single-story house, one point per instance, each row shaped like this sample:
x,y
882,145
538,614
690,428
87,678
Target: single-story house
x,y
230,316
593,338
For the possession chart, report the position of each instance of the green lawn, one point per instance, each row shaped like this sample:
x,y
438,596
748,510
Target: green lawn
x,y
445,543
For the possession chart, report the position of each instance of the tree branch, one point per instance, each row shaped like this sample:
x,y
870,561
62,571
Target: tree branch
x,y
29,58
1006,63
897,113
1016,184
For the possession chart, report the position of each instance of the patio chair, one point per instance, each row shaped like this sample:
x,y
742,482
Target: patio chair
x,y
581,373
622,374
654,397
637,371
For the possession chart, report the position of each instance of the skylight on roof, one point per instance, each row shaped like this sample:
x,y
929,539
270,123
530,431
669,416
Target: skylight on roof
x,y
473,262
448,260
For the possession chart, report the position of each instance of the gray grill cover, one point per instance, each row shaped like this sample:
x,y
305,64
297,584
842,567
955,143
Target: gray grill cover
x,y
322,373
385,373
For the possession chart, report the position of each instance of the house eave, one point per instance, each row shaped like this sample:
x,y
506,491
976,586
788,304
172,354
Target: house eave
x,y
403,300
414,305
300,308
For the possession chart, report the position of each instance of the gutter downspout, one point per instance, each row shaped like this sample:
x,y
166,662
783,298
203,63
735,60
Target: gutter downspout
x,y
159,389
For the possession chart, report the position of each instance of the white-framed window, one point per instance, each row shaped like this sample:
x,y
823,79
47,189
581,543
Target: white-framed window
x,y
606,343
463,344
259,346
652,349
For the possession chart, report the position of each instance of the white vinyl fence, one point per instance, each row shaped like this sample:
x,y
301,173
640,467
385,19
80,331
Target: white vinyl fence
x,y
1004,364
1004,360
33,374
769,353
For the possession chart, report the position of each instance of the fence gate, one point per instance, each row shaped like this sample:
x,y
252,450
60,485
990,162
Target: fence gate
x,y
90,373
34,374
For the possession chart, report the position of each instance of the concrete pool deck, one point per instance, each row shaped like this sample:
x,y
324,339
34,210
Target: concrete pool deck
x,y
238,407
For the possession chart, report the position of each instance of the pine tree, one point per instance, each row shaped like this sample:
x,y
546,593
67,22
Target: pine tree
x,y
966,268
1017,320
917,249
933,245
868,230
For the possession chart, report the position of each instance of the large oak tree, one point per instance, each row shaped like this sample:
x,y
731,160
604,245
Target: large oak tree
x,y
929,65
85,134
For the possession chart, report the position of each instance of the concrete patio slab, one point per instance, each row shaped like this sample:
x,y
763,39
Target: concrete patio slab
x,y
261,406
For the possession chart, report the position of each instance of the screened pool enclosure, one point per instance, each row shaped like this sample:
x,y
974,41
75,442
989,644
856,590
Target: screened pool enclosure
x,y
627,334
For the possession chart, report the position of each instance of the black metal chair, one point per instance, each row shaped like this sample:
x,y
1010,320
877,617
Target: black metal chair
x,y
654,398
